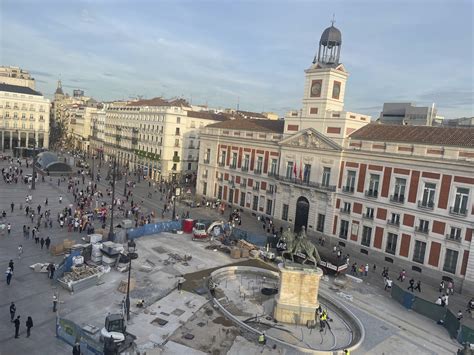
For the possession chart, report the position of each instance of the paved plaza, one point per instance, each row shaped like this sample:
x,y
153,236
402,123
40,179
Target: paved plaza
x,y
390,329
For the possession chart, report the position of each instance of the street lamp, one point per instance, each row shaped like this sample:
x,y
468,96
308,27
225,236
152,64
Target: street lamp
x,y
177,192
131,251
33,180
114,173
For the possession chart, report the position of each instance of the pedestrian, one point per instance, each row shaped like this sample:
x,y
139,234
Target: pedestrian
x,y
366,269
388,284
60,199
402,275
412,284
439,301
20,251
47,242
46,202
12,205
450,289
418,285
29,325
76,349
9,274
55,303
10,264
459,315
441,286
17,326
12,311
9,228
42,243
51,269
180,283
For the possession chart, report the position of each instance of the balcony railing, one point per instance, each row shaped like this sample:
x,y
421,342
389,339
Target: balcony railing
x,y
272,173
458,211
372,193
176,159
232,166
204,176
245,168
256,188
393,222
270,192
206,161
257,172
348,189
418,229
453,238
243,184
309,184
221,164
220,178
367,216
429,205
397,198
343,210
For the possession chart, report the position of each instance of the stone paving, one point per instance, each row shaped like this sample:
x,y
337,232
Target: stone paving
x,y
390,328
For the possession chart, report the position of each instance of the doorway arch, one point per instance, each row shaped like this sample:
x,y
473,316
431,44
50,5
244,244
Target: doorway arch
x,y
301,215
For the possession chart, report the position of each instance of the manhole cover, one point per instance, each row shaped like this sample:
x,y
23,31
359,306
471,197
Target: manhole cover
x,y
164,313
188,336
201,324
160,250
177,312
159,321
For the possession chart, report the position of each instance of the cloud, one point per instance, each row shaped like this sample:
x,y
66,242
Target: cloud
x,y
453,98
41,73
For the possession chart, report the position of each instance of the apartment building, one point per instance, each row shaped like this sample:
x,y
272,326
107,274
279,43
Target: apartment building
x,y
16,76
24,118
158,137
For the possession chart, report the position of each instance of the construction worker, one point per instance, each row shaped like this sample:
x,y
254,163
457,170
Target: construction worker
x,y
323,321
347,352
262,339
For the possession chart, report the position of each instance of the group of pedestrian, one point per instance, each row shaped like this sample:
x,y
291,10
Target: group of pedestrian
x,y
16,322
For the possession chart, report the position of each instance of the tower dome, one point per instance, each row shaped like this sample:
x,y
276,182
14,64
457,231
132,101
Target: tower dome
x,y
329,47
331,37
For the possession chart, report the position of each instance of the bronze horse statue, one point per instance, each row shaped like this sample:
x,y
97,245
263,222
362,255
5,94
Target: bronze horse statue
x,y
300,244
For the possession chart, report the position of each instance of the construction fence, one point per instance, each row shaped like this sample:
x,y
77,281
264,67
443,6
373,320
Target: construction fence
x,y
70,333
435,312
154,228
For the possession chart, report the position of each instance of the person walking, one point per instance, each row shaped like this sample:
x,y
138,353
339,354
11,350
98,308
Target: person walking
x,y
17,326
9,274
29,325
76,349
388,284
10,265
366,271
450,289
412,283
55,303
402,275
12,311
12,205
441,286
60,199
9,228
418,286
42,243
20,251
47,242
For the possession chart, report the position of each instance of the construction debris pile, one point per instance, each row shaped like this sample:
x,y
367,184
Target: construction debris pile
x,y
81,277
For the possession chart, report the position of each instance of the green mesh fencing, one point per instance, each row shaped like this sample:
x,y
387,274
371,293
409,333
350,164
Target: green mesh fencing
x,y
397,293
429,309
451,324
466,335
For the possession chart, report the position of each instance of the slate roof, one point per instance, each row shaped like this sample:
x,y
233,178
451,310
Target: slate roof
x,y
19,89
207,115
158,101
444,136
271,126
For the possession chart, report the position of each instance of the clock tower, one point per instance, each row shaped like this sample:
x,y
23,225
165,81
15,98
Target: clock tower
x,y
326,78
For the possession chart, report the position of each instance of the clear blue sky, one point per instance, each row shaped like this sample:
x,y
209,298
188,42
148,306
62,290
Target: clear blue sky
x,y
222,50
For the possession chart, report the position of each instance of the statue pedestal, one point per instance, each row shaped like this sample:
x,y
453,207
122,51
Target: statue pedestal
x,y
297,299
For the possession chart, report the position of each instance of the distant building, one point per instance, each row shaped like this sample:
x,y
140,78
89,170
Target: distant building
x,y
406,113
460,122
24,118
16,76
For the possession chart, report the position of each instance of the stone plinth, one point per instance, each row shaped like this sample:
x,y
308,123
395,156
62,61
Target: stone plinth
x,y
297,299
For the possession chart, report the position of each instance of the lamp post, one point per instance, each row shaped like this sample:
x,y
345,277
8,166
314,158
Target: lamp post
x,y
114,173
177,192
33,180
93,163
131,249
125,183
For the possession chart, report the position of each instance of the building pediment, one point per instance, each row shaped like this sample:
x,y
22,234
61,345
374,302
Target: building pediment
x,y
310,139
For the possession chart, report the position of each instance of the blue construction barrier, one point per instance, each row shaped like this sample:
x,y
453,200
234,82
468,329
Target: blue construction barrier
x,y
153,228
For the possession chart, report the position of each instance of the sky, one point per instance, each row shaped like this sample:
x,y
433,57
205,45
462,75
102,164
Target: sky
x,y
251,53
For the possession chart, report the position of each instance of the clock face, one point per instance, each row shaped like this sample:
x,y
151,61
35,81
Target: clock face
x,y
316,88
